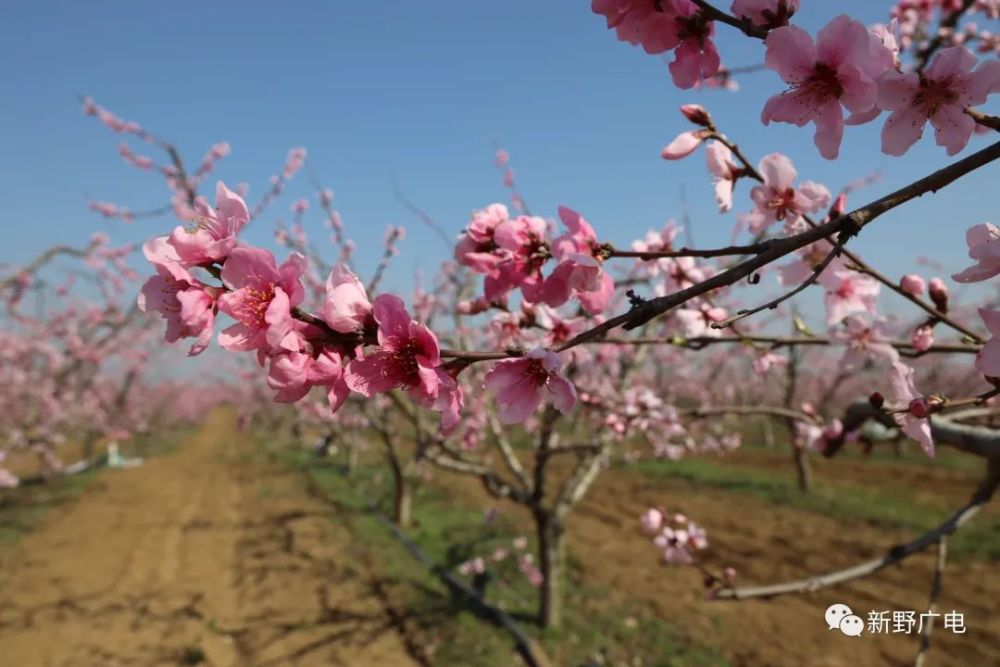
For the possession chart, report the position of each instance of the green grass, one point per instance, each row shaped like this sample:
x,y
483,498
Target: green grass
x,y
594,631
889,506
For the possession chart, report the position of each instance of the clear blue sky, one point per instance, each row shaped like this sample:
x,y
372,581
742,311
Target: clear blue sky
x,y
419,90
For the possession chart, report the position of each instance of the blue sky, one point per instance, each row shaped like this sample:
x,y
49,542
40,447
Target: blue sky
x,y
417,91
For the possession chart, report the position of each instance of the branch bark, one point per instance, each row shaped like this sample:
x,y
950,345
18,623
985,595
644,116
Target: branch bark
x,y
894,555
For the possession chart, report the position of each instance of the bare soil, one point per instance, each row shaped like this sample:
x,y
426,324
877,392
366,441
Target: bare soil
x,y
769,543
211,555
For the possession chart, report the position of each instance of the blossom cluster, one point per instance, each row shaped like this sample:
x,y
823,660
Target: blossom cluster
x,y
675,535
513,252
846,67
328,350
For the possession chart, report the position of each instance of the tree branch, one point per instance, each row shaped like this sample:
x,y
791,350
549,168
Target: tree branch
x,y
894,555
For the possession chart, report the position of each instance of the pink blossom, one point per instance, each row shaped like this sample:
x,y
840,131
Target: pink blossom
x,y
521,384
904,393
408,357
913,284
261,300
476,247
664,25
697,322
559,329
765,13
984,248
214,234
864,341
840,68
8,480
988,359
580,268
524,240
779,199
847,292
651,520
185,303
766,362
346,307
696,57
939,95
293,374
726,171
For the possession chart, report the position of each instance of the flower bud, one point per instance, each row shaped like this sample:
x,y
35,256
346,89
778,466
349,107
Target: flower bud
x,y
913,284
939,294
919,407
839,206
697,114
877,400
922,338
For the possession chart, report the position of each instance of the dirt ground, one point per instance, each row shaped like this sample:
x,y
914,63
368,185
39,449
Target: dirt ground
x,y
767,543
215,553
210,553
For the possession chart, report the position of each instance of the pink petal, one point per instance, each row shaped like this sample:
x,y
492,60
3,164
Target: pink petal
x,y
791,53
902,129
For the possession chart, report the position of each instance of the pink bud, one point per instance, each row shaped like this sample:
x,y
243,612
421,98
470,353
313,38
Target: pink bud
x,y
922,338
913,284
919,408
683,145
939,294
877,400
839,206
697,114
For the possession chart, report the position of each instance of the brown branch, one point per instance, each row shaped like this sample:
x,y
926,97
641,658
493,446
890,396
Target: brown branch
x,y
182,176
859,264
690,252
894,555
984,119
761,410
746,27
851,222
43,259
774,303
949,22
777,342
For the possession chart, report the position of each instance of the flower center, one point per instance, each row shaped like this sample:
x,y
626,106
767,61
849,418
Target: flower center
x,y
252,305
403,364
821,87
536,373
781,203
935,94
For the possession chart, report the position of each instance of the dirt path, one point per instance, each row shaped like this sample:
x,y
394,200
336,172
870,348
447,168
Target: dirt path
x,y
209,553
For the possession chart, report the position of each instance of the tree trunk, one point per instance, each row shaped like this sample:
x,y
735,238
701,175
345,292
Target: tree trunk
x,y
352,457
401,489
803,469
403,502
552,558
